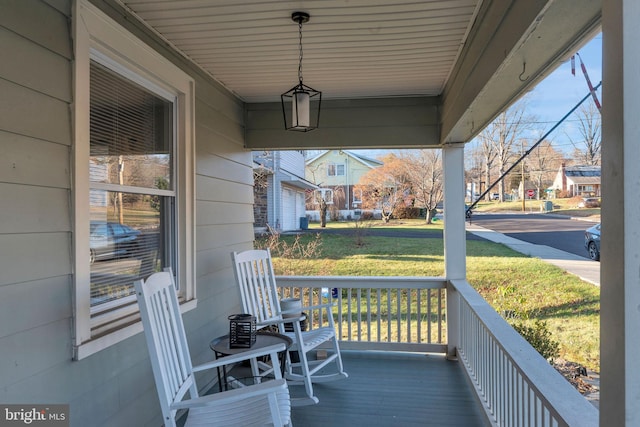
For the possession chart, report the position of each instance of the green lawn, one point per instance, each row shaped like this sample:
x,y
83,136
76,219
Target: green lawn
x,y
514,284
567,207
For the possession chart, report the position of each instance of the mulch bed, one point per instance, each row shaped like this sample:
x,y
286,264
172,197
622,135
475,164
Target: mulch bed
x,y
576,375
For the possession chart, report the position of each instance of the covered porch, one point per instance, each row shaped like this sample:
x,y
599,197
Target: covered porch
x,y
395,389
445,72
394,333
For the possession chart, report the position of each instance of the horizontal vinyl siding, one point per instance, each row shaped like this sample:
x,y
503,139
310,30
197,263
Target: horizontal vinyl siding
x,y
292,162
25,67
224,215
30,161
41,23
29,305
34,209
114,386
35,218
31,113
208,188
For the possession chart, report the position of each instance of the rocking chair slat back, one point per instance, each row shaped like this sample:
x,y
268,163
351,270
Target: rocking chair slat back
x,y
173,364
254,273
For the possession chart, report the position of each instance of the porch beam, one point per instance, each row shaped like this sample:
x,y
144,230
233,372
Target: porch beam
x,y
512,46
620,260
408,122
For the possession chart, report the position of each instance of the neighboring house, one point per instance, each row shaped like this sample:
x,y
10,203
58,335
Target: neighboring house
x,y
279,191
578,180
339,171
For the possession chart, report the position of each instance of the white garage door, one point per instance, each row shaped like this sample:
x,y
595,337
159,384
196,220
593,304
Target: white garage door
x,y
289,219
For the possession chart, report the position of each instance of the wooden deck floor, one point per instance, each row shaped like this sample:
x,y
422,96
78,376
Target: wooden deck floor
x,y
393,389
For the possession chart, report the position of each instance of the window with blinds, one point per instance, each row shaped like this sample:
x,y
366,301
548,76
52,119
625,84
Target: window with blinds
x,y
132,185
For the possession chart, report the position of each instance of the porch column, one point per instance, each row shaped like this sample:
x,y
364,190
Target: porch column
x,y
455,245
620,260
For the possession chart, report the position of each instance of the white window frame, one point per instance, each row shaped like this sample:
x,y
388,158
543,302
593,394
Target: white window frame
x,y
98,36
325,194
336,167
357,196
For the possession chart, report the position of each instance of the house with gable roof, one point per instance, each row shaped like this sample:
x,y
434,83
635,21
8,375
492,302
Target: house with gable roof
x,y
582,180
336,172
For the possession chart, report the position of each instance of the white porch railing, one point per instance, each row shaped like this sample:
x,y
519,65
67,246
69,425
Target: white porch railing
x,y
516,385
377,313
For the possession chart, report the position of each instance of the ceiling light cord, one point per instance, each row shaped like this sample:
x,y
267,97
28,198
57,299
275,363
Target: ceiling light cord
x,y
301,55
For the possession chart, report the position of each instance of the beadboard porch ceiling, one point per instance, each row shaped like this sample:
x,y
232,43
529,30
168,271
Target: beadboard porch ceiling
x,y
474,56
351,49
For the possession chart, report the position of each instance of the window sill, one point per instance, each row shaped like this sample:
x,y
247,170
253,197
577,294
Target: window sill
x,y
100,343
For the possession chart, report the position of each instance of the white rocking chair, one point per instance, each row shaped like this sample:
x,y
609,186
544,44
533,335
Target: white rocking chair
x,y
266,403
255,277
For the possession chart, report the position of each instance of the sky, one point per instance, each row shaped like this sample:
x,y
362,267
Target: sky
x,y
559,92
556,95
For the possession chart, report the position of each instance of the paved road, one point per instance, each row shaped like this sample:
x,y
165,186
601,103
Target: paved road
x,y
557,232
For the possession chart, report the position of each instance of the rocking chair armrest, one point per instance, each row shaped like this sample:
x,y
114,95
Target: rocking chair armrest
x,y
241,357
259,389
283,320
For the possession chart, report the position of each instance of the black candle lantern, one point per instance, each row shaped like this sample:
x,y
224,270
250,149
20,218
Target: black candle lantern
x,y
242,330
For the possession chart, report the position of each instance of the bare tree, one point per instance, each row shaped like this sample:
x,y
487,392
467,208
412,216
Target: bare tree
x,y
474,166
543,163
587,150
488,155
423,172
503,134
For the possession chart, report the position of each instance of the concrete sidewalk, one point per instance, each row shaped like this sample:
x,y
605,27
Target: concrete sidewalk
x,y
584,268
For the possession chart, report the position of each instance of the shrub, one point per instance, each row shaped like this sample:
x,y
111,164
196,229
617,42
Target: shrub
x,y
406,212
360,231
294,250
366,215
539,337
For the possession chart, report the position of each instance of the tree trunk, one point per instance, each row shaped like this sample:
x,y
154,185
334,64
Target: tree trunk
x,y
430,215
323,214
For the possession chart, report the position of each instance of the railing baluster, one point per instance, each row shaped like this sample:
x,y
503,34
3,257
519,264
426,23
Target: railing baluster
x,y
349,314
440,308
429,315
419,314
379,317
409,315
399,314
368,314
359,308
389,335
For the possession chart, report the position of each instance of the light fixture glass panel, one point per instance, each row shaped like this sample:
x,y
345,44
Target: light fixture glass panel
x,y
300,112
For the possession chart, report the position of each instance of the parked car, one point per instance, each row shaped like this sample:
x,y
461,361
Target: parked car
x,y
111,239
592,242
495,196
589,202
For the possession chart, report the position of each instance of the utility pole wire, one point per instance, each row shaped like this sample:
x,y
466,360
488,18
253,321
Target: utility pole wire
x,y
517,162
